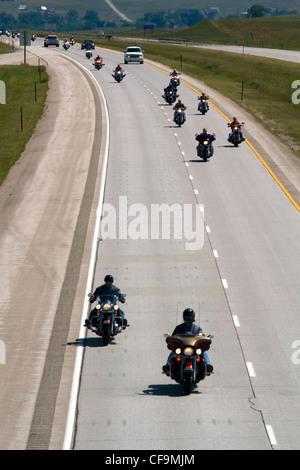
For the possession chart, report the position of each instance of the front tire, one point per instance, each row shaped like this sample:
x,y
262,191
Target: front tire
x,y
187,384
106,334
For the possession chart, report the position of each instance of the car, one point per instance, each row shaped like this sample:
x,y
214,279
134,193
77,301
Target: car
x,y
4,32
87,43
51,40
133,54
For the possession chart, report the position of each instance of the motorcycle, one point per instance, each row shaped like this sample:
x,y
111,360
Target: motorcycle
x,y
205,150
170,96
118,75
107,321
179,116
88,54
236,137
188,366
202,106
175,81
98,64
66,45
72,41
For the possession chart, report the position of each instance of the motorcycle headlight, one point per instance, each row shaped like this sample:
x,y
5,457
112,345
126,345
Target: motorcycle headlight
x,y
116,307
198,351
188,351
178,351
98,306
205,142
106,306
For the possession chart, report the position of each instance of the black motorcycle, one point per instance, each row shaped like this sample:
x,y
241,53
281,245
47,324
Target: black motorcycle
x,y
236,135
107,320
118,75
175,81
179,116
170,96
203,106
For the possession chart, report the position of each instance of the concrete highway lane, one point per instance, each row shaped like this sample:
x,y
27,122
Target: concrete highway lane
x,y
242,281
221,237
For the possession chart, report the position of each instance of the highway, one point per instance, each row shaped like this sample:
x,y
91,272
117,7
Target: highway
x,y
242,283
239,271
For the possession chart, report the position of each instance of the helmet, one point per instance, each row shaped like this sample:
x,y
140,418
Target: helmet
x,y
108,278
234,118
188,314
204,131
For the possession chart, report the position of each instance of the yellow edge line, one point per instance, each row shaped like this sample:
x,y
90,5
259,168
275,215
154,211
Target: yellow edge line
x,y
249,144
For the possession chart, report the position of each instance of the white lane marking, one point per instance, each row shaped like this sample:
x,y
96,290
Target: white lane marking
x,y
236,320
215,254
82,331
250,369
207,228
196,191
271,435
190,176
225,284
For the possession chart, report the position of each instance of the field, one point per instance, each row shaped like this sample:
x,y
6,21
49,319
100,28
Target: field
x,y
23,90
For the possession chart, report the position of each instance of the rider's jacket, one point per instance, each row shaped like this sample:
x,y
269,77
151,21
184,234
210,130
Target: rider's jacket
x,y
106,290
187,328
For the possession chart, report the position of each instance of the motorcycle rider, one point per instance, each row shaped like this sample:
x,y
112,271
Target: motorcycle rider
x,y
169,88
188,327
180,104
174,73
108,288
205,136
204,97
66,42
119,69
233,124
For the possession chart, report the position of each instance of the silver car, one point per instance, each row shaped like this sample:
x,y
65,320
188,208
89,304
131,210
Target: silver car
x,y
133,54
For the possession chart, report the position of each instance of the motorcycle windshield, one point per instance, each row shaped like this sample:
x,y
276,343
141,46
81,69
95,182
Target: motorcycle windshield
x,y
195,341
113,299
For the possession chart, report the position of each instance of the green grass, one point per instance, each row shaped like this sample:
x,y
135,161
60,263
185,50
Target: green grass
x,y
5,48
267,82
281,32
20,92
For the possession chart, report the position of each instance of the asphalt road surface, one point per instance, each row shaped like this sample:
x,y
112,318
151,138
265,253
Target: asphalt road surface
x,y
239,271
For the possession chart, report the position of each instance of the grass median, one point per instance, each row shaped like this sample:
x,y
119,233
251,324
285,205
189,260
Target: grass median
x,y
267,83
25,94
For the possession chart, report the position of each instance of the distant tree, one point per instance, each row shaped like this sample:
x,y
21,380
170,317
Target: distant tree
x,y
257,10
7,21
32,19
92,20
158,18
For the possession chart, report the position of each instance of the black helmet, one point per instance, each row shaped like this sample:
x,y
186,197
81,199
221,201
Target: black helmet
x,y
188,314
108,278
